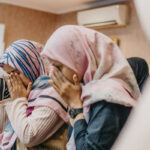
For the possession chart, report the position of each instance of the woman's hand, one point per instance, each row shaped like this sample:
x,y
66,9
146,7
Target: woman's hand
x,y
70,92
16,86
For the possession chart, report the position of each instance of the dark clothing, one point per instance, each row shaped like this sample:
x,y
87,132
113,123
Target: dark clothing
x,y
106,119
4,93
105,122
140,69
14,147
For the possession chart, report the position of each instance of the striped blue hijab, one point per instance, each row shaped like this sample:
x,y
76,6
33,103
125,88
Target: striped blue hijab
x,y
24,56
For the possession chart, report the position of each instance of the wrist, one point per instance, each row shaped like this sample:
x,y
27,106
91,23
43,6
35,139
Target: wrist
x,y
76,104
78,117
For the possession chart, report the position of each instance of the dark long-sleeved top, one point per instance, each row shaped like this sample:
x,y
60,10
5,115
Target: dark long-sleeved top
x,y
105,122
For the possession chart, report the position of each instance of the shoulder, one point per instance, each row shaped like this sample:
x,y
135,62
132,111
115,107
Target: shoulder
x,y
107,107
103,107
109,111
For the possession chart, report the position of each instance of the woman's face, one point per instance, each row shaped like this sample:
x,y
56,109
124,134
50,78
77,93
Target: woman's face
x,y
10,69
67,72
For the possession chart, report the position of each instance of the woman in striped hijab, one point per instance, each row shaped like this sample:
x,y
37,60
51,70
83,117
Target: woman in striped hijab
x,y
34,114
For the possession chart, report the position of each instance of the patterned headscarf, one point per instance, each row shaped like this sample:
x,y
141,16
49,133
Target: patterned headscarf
x,y
94,57
24,56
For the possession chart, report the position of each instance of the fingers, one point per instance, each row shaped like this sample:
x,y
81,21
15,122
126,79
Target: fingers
x,y
55,80
7,79
18,79
76,79
16,86
58,75
58,78
13,80
29,88
54,86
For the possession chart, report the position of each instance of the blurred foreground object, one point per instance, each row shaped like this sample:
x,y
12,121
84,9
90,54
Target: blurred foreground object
x,y
136,134
143,10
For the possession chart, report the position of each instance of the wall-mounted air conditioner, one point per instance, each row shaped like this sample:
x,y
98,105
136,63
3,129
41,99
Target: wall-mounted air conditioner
x,y
103,17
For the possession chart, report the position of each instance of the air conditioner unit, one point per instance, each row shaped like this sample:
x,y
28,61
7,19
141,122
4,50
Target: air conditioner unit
x,y
103,17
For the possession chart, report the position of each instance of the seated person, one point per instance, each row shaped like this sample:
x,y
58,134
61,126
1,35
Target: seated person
x,y
95,80
37,120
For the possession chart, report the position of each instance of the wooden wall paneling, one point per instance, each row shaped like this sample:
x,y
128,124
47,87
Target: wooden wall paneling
x,y
24,23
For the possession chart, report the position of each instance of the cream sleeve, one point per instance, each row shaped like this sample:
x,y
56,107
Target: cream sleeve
x,y
36,128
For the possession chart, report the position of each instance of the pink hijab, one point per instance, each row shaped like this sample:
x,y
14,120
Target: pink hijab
x,y
98,60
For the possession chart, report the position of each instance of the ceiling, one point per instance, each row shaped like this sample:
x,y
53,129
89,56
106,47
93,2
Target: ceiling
x,y
55,6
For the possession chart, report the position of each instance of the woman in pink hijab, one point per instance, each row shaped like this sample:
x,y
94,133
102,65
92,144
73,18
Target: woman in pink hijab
x,y
91,75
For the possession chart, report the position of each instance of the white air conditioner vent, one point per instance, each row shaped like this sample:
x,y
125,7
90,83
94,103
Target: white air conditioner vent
x,y
115,15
